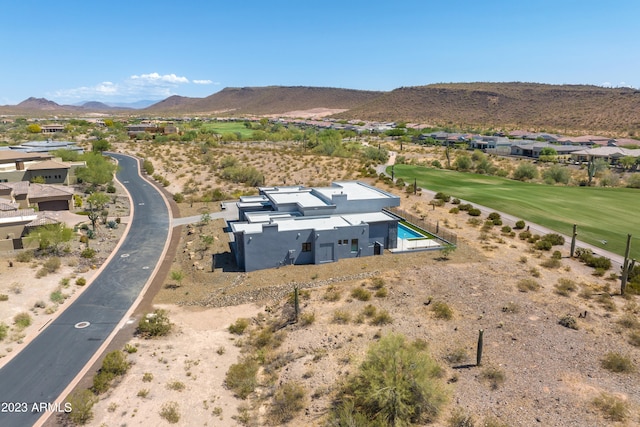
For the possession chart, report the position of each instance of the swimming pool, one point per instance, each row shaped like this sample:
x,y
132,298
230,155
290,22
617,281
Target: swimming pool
x,y
405,232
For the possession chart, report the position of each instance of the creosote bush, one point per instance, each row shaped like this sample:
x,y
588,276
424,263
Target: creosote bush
x,y
239,326
241,377
441,310
154,324
170,411
611,407
527,285
22,320
361,294
615,362
82,406
288,400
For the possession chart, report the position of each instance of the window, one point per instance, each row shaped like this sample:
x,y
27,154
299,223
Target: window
x,y
354,245
306,247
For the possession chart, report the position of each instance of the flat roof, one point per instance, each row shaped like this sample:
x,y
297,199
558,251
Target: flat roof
x,y
354,190
355,219
303,199
288,222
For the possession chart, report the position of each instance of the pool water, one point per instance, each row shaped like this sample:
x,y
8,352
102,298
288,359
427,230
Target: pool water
x,y
405,232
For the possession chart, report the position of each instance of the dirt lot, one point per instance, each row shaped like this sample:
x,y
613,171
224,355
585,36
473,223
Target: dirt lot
x,y
543,373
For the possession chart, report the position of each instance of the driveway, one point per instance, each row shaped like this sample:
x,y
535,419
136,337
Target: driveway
x,y
38,375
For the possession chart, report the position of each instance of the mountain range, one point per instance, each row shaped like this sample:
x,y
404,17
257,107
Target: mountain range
x,y
561,108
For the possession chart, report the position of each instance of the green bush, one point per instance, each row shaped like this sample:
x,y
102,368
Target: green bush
x,y
442,310
382,317
612,408
102,382
361,294
520,224
22,320
616,362
543,245
241,378
4,297
24,256
341,317
81,402
554,239
52,264
565,286
525,171
154,324
474,212
115,362
88,253
288,400
397,384
170,411
526,285
493,216
4,329
239,326
81,281
442,196
57,297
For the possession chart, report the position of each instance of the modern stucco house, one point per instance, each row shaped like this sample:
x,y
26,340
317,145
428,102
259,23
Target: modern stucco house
x,y
299,225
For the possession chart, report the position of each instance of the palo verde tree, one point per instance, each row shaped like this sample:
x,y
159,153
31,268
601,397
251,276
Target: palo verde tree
x,y
96,201
99,169
397,384
50,237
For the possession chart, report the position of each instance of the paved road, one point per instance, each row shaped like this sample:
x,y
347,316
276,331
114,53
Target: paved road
x,y
52,360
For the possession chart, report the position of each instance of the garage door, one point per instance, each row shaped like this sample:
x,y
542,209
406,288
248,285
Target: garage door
x,y
54,205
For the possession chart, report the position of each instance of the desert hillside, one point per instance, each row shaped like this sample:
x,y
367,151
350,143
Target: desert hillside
x,y
267,100
563,108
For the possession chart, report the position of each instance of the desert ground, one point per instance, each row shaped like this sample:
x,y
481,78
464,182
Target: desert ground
x,y
534,370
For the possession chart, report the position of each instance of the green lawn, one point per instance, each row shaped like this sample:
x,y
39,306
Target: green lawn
x,y
224,127
600,213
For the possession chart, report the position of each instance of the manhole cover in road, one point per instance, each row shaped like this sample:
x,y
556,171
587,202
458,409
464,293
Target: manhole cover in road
x,y
125,182
124,256
141,204
81,325
146,267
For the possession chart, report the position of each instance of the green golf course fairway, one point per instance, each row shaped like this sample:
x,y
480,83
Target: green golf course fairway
x,y
600,213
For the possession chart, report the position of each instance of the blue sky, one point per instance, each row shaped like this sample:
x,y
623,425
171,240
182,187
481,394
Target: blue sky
x,y
123,51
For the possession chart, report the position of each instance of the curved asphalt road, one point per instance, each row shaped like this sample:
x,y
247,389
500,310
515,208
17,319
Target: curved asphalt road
x,y
43,369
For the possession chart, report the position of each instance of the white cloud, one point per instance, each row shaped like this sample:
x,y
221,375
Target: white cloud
x,y
157,78
152,86
203,82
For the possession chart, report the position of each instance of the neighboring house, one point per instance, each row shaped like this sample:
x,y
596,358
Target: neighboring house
x,y
46,146
484,143
54,128
51,171
533,149
43,196
298,225
16,166
610,154
16,224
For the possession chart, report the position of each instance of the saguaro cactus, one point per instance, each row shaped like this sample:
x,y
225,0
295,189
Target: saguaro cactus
x,y
626,267
479,350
